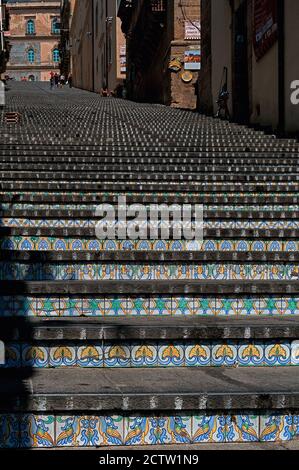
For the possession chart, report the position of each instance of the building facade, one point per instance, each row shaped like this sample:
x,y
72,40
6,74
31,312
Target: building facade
x,y
97,44
34,36
67,12
257,42
4,44
163,50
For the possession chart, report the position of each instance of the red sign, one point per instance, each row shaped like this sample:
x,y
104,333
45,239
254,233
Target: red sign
x,y
265,26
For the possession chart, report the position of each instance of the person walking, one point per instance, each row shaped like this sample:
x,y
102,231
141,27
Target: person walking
x,y
56,80
70,81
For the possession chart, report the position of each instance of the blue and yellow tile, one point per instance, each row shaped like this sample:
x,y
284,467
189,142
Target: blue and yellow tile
x,y
251,354
224,354
277,354
62,356
276,427
77,431
197,354
295,353
171,355
116,355
9,431
37,431
111,430
35,356
90,356
205,429
144,355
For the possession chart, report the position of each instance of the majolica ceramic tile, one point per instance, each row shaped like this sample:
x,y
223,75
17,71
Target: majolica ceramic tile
x,y
205,429
198,354
277,354
251,354
77,431
242,428
276,427
160,306
116,355
37,431
9,431
295,353
171,355
35,356
144,355
116,306
62,356
111,430
224,354
90,356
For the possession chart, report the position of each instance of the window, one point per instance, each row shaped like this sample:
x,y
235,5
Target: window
x,y
31,56
30,27
56,55
55,26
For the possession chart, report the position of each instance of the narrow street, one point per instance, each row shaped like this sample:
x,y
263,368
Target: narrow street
x,y
107,336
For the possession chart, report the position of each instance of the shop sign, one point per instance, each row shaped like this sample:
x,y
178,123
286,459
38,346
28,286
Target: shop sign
x,y
265,26
192,30
192,59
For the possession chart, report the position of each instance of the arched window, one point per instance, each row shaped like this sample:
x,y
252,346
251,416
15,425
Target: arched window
x,y
30,27
56,55
55,26
31,56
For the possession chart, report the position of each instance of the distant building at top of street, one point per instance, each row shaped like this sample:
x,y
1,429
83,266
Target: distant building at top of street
x,y
34,36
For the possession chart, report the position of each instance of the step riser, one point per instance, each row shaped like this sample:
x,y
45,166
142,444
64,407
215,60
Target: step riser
x,y
64,244
89,223
154,355
120,306
69,430
98,271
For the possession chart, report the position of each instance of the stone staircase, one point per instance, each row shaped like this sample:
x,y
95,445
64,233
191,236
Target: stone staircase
x,y
123,342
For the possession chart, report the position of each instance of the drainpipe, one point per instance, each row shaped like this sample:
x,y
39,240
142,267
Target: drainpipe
x,y
1,28
281,65
107,48
93,45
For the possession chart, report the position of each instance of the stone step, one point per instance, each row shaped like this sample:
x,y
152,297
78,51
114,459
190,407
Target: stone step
x,y
82,187
151,176
217,233
151,343
134,257
30,214
178,390
148,287
145,197
93,163
151,329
